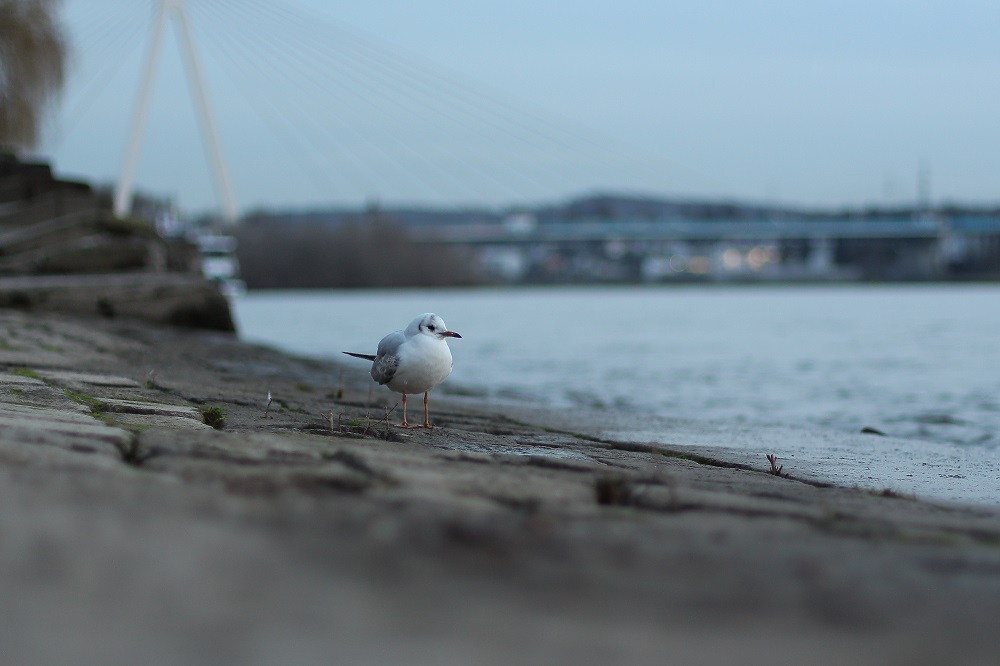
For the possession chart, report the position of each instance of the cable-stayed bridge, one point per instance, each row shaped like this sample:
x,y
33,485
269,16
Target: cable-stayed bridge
x,y
278,90
308,112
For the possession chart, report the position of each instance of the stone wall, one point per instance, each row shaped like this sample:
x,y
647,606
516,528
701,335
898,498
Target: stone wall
x,y
54,232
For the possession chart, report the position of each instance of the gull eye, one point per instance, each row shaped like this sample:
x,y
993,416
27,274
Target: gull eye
x,y
430,327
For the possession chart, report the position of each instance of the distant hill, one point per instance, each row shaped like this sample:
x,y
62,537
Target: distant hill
x,y
604,207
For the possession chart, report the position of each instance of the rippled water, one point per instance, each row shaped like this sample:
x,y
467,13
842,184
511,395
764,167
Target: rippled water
x,y
912,361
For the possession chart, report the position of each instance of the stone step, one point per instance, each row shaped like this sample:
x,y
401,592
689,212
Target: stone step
x,y
26,212
83,253
35,180
177,299
149,408
19,238
144,421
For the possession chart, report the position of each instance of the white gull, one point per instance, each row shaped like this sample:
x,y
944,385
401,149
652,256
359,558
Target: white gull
x,y
413,360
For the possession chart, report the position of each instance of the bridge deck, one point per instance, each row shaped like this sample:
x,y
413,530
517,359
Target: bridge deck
x,y
709,230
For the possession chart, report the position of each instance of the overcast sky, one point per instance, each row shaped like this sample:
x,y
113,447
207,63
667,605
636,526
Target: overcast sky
x,y
816,103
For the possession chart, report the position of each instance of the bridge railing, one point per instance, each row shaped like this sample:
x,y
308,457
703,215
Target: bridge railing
x,y
703,230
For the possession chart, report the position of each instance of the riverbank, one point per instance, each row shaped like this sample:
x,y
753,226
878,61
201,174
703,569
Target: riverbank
x,y
754,369
306,530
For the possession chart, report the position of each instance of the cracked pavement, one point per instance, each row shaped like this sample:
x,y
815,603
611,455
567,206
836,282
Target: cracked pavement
x,y
311,530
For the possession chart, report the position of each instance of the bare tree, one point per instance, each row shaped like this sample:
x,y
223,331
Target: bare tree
x,y
369,251
32,67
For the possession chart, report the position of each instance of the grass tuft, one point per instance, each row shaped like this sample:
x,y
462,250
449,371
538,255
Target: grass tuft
x,y
214,416
96,407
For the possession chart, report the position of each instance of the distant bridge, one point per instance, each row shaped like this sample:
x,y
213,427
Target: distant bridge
x,y
926,227
925,246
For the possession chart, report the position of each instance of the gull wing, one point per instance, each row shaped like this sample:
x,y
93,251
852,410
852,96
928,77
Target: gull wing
x,y
387,357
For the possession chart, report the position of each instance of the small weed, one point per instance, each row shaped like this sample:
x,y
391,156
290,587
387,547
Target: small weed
x,y
775,467
214,417
25,372
304,388
379,429
95,405
613,490
130,449
52,348
889,492
104,418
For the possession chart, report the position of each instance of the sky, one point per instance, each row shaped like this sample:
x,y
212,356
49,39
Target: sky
x,y
817,104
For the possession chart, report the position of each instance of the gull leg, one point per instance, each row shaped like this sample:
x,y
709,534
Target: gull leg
x,y
427,416
404,423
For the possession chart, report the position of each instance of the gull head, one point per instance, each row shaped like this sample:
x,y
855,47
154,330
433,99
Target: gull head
x,y
432,325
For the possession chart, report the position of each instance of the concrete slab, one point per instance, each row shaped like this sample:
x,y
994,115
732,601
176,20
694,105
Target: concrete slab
x,y
150,408
61,428
64,377
157,421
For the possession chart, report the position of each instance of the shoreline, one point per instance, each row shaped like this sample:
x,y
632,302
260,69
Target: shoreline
x,y
929,471
812,397
316,532
821,456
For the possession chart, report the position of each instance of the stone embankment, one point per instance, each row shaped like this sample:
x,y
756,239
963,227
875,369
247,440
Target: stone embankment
x,y
170,496
61,250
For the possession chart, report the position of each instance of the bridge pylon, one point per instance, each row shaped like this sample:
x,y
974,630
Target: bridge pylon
x,y
176,11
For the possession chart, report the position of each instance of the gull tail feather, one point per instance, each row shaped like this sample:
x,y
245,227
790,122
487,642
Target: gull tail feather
x,y
367,357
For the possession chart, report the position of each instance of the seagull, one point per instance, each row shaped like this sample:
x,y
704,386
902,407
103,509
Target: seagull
x,y
413,360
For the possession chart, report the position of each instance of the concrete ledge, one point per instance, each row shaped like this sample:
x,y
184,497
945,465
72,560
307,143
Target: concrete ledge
x,y
164,298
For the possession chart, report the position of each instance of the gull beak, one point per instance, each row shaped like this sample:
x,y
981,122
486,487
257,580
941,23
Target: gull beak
x,y
451,334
